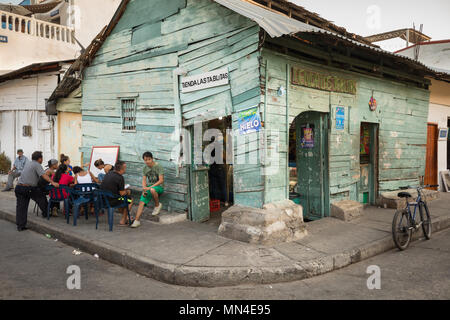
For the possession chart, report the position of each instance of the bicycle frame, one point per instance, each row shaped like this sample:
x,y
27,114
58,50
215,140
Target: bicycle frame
x,y
416,205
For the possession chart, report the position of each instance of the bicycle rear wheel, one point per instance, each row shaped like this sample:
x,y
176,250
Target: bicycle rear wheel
x,y
426,220
401,231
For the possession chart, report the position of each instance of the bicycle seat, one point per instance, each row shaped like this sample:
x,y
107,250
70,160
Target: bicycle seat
x,y
404,195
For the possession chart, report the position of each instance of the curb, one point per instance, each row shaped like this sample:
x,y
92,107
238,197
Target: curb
x,y
221,276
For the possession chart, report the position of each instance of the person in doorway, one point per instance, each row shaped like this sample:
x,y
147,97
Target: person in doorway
x,y
16,171
115,183
153,186
27,188
66,161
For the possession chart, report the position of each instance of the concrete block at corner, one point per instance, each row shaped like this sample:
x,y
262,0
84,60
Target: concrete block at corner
x,y
275,223
347,210
392,201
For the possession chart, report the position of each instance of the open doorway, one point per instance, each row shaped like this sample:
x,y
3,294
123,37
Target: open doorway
x,y
211,182
308,151
368,160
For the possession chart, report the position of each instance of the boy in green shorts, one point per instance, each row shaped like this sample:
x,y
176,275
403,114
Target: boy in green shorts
x,y
153,186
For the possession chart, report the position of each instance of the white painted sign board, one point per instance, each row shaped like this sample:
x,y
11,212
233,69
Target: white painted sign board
x,y
109,155
205,80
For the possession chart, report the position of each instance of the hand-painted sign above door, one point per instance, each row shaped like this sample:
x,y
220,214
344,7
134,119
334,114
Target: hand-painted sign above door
x,y
315,80
249,121
205,80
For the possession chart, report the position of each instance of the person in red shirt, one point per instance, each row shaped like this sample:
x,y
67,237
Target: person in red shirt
x,y
63,177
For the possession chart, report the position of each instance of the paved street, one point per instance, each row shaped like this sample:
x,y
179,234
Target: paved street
x,y
34,267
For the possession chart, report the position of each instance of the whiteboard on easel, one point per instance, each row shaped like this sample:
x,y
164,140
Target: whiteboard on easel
x,y
109,155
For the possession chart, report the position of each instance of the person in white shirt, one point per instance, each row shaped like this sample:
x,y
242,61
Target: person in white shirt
x,y
82,176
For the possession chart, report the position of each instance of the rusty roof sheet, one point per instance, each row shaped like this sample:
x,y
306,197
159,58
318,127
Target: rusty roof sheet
x,y
273,23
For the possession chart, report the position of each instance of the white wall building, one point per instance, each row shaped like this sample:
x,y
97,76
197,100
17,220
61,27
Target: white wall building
x,y
23,121
49,31
436,54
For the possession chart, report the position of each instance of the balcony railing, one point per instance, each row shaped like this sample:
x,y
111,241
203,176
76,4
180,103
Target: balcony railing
x,y
34,27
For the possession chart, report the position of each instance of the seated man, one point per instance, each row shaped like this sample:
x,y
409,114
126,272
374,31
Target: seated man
x,y
115,183
16,170
152,184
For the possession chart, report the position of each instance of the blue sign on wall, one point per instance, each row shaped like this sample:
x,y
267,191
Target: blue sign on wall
x,y
340,118
54,13
4,39
249,121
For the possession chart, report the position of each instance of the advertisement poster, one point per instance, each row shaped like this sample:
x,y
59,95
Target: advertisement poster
x,y
249,121
340,118
308,138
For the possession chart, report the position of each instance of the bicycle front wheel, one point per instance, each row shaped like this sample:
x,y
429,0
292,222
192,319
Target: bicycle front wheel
x,y
401,231
426,220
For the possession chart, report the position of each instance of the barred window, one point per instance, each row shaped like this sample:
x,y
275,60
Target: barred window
x,y
128,114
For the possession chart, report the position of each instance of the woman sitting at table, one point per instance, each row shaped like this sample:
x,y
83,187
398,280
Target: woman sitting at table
x,y
64,179
104,169
83,176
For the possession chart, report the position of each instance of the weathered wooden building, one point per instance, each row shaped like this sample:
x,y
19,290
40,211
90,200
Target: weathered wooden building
x,y
348,118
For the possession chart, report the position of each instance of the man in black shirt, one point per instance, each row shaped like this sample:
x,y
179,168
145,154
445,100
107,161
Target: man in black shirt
x,y
115,183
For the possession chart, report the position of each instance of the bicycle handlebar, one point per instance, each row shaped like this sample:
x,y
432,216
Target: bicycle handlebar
x,y
420,187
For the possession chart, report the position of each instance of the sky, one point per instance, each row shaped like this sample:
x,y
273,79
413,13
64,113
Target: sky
x,y
367,17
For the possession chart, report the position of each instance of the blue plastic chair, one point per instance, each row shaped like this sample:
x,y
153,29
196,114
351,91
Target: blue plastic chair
x,y
57,196
83,195
103,203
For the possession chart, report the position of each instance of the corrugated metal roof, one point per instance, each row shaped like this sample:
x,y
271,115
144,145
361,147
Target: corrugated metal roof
x,y
276,25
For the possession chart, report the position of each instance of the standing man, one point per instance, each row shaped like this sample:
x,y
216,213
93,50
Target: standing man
x,y
16,170
115,183
27,188
153,186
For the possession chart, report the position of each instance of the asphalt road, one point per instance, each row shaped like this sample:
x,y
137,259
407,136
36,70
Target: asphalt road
x,y
34,267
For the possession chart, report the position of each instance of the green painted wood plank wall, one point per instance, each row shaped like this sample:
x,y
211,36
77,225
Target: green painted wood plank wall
x,y
402,117
137,60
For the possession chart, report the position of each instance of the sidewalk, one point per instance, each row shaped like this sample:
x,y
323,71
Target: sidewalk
x,y
192,254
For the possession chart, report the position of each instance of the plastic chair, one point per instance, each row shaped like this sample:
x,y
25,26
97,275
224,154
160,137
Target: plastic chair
x,y
57,196
83,195
103,203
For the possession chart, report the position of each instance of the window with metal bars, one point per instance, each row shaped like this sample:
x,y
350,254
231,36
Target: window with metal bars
x,y
128,114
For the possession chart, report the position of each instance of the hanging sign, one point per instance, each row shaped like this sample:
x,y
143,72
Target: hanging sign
x,y
205,80
340,118
249,121
308,138
373,104
4,39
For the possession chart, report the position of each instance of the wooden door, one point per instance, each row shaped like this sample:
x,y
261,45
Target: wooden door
x,y
199,182
431,167
312,138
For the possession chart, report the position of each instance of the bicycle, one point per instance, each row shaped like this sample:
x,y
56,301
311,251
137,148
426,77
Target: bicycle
x,y
405,223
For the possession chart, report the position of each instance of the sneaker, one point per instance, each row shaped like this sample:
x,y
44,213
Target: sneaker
x,y
157,210
136,224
